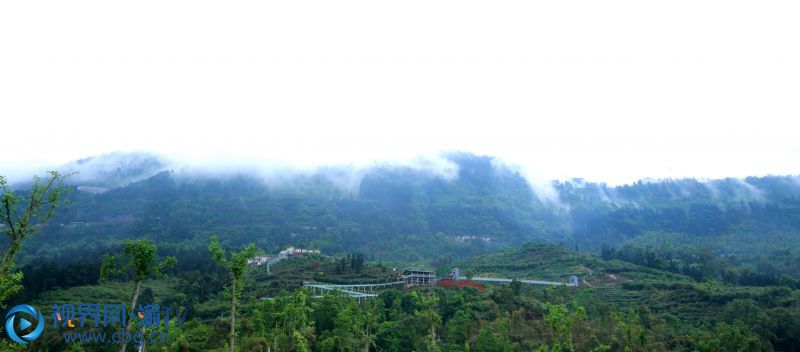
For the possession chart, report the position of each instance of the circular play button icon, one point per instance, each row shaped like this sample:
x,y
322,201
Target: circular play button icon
x,y
18,313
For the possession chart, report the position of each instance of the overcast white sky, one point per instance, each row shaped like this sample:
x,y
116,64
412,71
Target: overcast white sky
x,y
606,90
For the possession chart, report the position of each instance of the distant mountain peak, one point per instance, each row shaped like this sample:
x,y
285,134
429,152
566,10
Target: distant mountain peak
x,y
115,169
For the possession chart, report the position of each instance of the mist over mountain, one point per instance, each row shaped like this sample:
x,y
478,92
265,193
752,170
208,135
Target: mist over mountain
x,y
453,206
119,169
681,253
113,170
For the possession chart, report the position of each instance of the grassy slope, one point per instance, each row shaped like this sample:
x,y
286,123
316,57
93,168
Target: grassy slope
x,y
604,284
290,274
107,293
287,275
553,262
620,285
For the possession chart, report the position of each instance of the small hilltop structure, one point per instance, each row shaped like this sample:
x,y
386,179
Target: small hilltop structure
x,y
270,259
418,277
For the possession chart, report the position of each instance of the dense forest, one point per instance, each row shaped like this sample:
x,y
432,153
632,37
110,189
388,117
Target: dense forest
x,y
618,307
707,265
418,215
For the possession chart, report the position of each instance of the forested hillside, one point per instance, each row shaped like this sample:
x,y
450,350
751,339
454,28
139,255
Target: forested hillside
x,y
619,306
414,214
661,265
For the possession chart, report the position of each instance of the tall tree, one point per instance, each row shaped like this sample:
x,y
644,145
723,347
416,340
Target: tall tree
x,y
560,321
429,304
139,259
236,266
371,319
23,215
633,331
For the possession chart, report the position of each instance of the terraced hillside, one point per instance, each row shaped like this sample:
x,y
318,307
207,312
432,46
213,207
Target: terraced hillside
x,y
616,285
